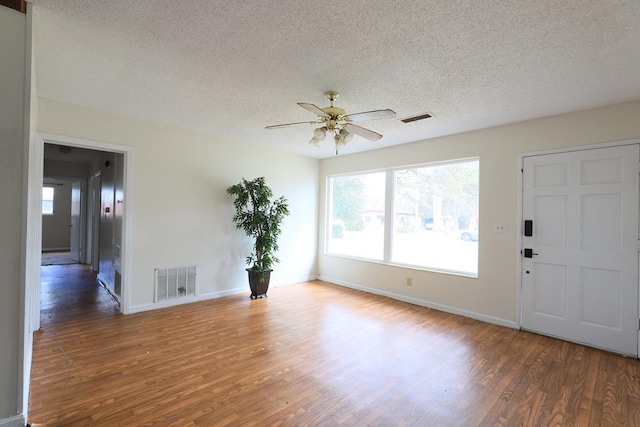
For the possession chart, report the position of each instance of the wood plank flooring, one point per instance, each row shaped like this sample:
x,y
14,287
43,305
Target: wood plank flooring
x,y
314,354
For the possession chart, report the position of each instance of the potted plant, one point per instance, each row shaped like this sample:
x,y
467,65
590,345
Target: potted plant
x,y
260,216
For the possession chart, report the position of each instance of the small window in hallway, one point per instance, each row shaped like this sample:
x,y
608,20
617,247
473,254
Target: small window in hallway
x,y
48,193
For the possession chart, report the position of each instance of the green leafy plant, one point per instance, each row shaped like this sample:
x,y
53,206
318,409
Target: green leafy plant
x,y
260,216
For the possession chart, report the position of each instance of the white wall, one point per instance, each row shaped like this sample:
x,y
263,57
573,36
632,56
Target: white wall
x,y
32,225
181,212
13,114
57,168
55,228
492,296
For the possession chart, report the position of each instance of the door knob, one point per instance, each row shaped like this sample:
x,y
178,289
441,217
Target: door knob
x,y
528,253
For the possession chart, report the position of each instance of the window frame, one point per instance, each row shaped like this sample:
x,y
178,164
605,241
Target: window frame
x,y
53,200
388,223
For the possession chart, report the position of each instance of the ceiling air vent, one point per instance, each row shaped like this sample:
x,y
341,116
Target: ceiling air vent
x,y
416,118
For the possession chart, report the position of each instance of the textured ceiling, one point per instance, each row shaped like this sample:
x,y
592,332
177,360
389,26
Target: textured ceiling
x,y
229,68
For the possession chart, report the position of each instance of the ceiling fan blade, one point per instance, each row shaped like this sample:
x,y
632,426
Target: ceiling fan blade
x,y
371,115
290,124
365,133
314,109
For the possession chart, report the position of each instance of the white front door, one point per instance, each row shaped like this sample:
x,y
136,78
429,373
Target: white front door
x,y
581,282
76,194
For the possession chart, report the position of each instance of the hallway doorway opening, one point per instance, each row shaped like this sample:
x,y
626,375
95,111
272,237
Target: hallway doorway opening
x,y
89,233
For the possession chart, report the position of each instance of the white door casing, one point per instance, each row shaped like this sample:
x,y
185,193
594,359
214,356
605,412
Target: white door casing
x,y
581,284
34,245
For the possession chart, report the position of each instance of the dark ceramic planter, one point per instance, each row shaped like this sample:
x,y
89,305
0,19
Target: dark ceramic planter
x,y
259,283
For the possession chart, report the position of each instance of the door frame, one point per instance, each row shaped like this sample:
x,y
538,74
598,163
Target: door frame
x,y
34,241
520,218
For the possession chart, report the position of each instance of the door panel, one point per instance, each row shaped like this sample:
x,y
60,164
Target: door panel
x,y
600,288
551,230
76,232
600,225
550,286
95,219
582,282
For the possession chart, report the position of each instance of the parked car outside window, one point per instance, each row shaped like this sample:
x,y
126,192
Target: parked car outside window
x,y
470,235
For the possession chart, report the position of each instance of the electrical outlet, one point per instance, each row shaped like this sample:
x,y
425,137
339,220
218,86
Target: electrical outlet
x,y
409,281
499,228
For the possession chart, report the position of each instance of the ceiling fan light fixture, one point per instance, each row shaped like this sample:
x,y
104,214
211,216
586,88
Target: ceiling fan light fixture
x,y
339,141
320,133
346,136
315,141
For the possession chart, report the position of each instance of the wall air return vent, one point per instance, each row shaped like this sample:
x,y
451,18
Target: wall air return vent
x,y
175,282
416,118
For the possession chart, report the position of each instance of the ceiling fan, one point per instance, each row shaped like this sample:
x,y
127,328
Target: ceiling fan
x,y
335,120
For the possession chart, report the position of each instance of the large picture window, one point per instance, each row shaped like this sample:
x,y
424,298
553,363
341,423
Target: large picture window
x,y
434,221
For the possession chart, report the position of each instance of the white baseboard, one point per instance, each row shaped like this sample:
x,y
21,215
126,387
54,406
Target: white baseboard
x,y
207,296
290,281
186,300
17,421
423,303
108,286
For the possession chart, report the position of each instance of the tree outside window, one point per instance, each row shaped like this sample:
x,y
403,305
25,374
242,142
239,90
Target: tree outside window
x,y
357,215
436,217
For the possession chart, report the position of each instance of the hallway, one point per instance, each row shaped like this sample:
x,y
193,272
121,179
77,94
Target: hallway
x,y
71,291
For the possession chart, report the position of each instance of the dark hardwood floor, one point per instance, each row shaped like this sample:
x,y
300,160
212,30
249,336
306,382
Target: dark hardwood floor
x,y
310,354
72,291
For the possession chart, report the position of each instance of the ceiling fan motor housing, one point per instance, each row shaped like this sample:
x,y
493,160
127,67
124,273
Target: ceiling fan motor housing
x,y
334,111
337,115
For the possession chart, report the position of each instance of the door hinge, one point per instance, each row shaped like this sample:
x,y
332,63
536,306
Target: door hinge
x,y
638,245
